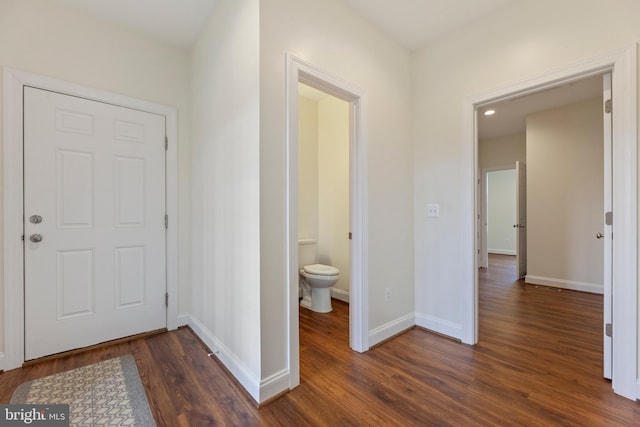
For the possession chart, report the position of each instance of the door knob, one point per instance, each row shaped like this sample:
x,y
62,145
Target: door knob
x,y
518,226
35,219
599,236
36,237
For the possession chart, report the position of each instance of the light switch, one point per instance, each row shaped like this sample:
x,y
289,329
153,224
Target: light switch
x,y
433,210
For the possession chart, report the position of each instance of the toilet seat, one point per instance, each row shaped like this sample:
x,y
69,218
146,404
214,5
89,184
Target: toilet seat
x,y
321,270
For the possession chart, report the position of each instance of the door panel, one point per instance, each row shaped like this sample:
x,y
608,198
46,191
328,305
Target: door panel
x,y
95,174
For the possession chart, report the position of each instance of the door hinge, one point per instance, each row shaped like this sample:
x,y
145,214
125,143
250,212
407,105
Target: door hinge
x,y
166,299
166,221
608,218
350,235
166,143
607,106
608,330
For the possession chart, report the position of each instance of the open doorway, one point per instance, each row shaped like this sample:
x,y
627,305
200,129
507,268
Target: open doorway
x,y
561,138
323,195
300,71
622,64
499,197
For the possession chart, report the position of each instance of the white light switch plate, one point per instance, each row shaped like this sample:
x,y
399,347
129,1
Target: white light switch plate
x,y
433,211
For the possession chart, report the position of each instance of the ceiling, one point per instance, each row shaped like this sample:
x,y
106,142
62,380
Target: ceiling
x,y
412,23
510,116
175,22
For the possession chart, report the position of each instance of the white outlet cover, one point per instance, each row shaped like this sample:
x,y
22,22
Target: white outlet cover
x,y
433,210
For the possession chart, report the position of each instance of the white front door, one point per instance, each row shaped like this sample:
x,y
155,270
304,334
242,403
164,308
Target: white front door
x,y
521,217
94,228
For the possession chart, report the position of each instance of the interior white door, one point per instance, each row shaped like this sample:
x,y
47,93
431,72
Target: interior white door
x,y
94,206
607,235
521,215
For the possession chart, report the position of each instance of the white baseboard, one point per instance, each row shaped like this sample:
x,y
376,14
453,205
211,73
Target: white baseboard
x,y
274,385
440,326
564,284
502,252
638,390
390,329
183,319
238,369
340,294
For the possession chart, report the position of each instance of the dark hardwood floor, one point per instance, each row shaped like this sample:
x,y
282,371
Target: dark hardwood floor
x,y
539,363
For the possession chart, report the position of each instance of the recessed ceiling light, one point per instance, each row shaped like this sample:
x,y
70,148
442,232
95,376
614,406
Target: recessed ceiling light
x,y
489,112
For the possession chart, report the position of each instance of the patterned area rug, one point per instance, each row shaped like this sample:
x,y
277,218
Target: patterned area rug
x,y
106,393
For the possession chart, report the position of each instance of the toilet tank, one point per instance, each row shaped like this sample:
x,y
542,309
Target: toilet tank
x,y
306,252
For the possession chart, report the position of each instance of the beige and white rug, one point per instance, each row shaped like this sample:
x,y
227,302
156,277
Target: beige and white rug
x,y
105,393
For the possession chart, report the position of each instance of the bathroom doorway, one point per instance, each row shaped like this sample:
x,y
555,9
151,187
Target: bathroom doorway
x,y
323,187
300,71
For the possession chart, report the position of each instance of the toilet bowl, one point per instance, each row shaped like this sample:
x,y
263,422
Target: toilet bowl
x,y
318,279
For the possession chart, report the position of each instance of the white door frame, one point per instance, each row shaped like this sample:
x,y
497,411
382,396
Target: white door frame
x,y
623,66
14,82
300,71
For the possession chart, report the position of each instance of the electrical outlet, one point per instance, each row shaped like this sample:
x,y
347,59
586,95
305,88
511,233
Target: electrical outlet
x,y
387,294
433,210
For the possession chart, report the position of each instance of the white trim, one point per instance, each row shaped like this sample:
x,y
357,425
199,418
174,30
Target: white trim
x,y
14,81
638,390
340,295
502,252
622,63
593,288
274,385
1,362
440,326
299,70
237,368
260,391
183,319
390,329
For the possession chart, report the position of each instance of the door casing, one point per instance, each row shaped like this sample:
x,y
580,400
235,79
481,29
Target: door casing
x,y
13,84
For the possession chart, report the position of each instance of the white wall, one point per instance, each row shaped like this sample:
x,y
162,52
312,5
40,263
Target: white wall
x,y
225,168
307,169
40,37
333,189
501,209
565,202
502,151
330,35
520,40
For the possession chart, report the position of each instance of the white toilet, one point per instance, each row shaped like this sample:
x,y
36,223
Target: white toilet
x,y
315,279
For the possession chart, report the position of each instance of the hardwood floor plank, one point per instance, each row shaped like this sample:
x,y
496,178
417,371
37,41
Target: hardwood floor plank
x,y
538,363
